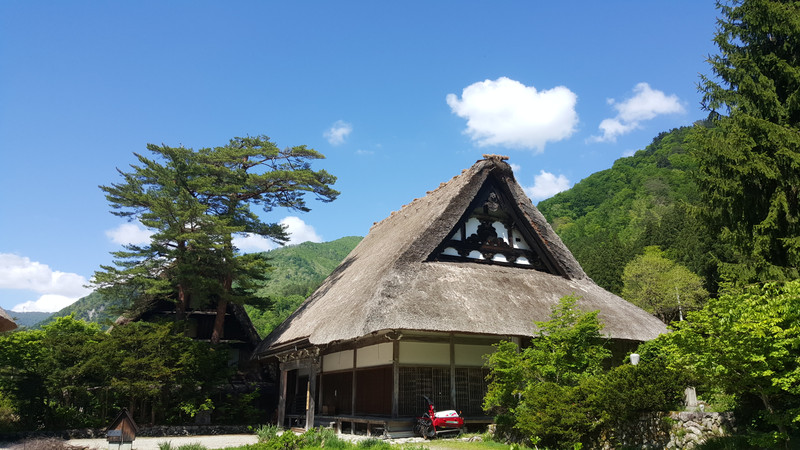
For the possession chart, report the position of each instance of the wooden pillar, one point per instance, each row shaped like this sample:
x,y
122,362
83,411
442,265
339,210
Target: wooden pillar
x,y
353,393
311,404
282,398
452,373
395,378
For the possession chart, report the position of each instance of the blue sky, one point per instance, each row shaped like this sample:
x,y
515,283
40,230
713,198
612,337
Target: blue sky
x,y
400,96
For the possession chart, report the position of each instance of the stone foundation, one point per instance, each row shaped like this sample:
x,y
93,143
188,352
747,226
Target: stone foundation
x,y
674,430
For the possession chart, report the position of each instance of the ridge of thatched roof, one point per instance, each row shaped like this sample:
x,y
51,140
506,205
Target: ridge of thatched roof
x,y
6,323
389,282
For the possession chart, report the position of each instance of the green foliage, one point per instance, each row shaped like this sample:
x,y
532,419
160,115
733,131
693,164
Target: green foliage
x,y
555,393
297,271
749,159
532,391
70,374
647,199
746,343
194,202
661,286
267,432
374,443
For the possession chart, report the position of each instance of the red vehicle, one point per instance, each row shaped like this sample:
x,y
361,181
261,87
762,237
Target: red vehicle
x,y
433,422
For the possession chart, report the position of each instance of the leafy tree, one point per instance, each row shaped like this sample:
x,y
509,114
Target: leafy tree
x,y
746,342
71,374
749,159
559,392
194,202
151,364
660,286
566,349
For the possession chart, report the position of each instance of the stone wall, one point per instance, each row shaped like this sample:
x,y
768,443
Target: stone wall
x,y
678,430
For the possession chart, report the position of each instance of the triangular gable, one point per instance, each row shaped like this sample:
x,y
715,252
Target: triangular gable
x,y
492,230
123,420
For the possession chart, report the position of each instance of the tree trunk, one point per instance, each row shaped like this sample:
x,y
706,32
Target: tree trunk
x,y
768,405
222,307
182,303
219,321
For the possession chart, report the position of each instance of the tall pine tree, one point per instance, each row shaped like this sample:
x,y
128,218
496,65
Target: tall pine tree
x,y
749,158
194,202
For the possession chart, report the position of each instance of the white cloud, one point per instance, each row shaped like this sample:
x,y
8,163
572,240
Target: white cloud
x,y
45,303
251,243
298,230
58,288
546,185
646,104
338,132
505,112
129,233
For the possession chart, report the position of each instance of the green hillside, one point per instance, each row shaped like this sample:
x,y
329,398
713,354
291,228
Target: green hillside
x,y
645,199
92,308
297,271
28,319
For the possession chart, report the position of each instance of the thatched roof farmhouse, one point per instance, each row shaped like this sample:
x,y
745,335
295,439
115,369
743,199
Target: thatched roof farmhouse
x,y
415,306
6,323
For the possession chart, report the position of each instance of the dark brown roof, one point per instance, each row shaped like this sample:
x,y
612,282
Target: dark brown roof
x,y
243,326
6,324
390,282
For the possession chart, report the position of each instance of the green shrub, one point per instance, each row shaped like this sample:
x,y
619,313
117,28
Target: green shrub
x,y
193,446
374,444
266,433
323,438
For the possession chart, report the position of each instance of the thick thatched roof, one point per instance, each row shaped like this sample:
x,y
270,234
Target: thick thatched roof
x,y
391,282
6,323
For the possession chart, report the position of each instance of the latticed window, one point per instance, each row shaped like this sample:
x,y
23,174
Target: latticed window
x,y
434,382
471,386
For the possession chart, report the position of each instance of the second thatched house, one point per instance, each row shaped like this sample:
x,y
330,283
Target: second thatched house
x,y
6,323
414,307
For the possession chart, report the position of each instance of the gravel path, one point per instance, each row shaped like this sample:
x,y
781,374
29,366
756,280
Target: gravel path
x,y
151,443
211,442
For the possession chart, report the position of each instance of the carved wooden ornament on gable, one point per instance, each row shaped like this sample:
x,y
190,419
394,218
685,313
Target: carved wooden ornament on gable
x,y
491,232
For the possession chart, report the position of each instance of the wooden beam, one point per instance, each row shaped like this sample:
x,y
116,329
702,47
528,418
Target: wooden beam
x,y
311,396
395,378
452,372
353,394
282,399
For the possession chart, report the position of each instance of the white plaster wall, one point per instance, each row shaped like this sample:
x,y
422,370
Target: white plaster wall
x,y
424,353
337,361
471,355
472,226
374,355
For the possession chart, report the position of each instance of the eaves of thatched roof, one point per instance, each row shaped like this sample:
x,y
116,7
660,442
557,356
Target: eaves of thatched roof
x,y
390,282
6,323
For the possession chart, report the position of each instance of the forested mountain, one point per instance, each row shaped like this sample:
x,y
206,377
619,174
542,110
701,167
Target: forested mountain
x,y
28,319
643,200
296,271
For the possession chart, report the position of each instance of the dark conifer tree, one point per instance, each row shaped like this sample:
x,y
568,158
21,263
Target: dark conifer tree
x,y
749,158
194,202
